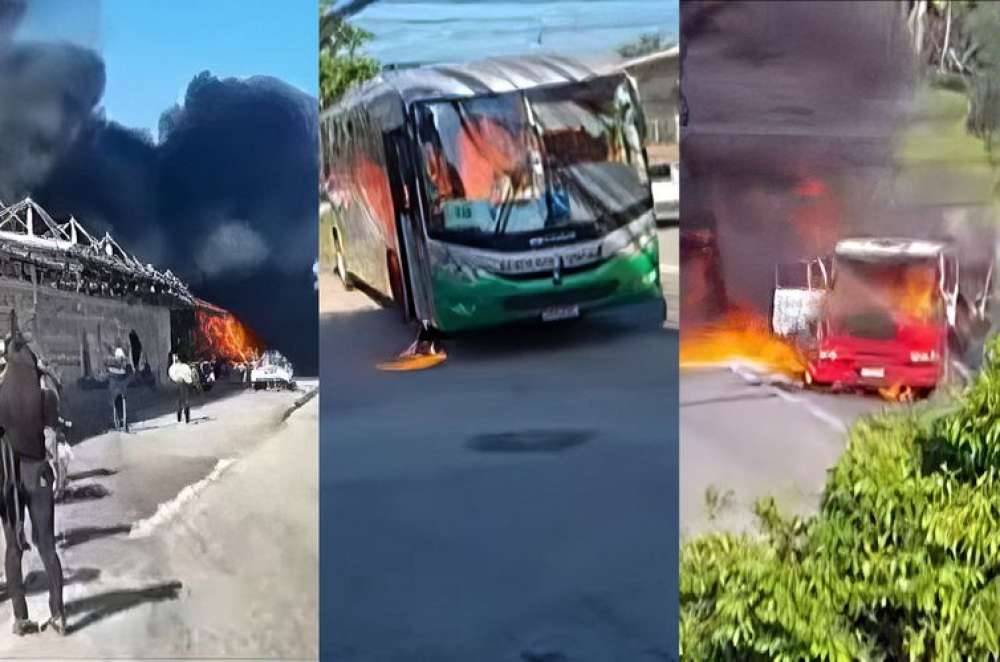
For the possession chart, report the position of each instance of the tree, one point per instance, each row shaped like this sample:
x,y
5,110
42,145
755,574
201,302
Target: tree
x,y
961,40
341,62
644,45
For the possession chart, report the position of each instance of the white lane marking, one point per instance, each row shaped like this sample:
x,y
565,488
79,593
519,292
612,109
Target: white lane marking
x,y
817,412
167,510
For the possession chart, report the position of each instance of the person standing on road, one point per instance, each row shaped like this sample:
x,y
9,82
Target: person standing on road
x,y
28,480
182,375
119,376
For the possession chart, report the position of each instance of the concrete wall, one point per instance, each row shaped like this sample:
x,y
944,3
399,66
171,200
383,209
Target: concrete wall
x,y
76,333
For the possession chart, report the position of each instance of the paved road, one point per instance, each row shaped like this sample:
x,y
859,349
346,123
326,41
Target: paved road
x,y
173,544
516,503
747,439
670,270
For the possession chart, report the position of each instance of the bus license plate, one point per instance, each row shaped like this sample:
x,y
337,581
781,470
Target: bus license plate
x,y
560,313
873,372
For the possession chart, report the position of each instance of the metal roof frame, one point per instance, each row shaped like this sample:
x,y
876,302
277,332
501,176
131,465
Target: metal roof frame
x,y
26,228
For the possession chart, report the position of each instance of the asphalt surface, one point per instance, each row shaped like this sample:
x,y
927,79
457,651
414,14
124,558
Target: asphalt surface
x,y
518,502
743,438
669,240
173,545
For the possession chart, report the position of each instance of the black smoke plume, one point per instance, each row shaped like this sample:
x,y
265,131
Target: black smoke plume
x,y
790,110
226,196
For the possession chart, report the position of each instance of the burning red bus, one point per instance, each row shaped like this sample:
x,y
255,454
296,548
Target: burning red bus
x,y
877,315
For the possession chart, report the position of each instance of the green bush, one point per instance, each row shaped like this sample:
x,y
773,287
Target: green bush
x,y
900,562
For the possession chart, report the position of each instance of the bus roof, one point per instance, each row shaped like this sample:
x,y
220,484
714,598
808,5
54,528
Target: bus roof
x,y
390,92
888,248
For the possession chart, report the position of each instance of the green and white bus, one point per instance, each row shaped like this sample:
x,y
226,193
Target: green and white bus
x,y
480,194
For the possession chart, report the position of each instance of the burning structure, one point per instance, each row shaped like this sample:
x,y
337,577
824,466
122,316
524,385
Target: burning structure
x,y
205,331
80,297
794,144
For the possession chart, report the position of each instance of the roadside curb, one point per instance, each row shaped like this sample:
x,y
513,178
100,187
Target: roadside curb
x,y
170,510
302,400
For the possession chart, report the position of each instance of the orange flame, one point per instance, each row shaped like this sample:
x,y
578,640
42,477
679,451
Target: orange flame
x,y
907,291
896,393
740,336
225,337
914,294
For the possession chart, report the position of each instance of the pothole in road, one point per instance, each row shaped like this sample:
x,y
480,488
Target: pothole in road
x,y
529,441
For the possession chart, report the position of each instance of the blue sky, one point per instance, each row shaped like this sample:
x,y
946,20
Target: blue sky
x,y
459,30
153,48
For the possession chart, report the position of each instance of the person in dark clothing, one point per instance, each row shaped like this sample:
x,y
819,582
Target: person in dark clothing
x,y
28,479
184,402
119,375
36,483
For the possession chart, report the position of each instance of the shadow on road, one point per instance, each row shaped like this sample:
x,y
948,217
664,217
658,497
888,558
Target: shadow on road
x,y
35,582
91,413
91,492
376,335
83,534
95,608
92,473
740,397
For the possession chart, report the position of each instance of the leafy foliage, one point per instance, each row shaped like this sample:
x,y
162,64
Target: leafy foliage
x,y
961,38
901,562
341,63
644,45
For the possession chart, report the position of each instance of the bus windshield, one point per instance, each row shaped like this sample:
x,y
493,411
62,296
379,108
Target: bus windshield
x,y
504,169
871,299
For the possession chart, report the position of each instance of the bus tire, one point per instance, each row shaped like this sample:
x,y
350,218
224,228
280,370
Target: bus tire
x,y
340,262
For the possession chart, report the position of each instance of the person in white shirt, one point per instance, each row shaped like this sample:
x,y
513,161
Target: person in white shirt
x,y
182,375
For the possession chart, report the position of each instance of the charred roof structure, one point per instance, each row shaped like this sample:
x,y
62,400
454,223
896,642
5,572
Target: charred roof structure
x,y
36,248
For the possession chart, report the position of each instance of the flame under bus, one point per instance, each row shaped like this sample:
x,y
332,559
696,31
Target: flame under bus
x,y
505,190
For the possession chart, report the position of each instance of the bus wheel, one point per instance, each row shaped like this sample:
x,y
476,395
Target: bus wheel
x,y
340,263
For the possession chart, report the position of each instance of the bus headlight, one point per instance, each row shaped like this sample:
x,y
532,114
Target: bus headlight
x,y
631,245
923,357
827,355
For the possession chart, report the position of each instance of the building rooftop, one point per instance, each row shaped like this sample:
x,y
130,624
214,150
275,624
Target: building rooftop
x,y
29,234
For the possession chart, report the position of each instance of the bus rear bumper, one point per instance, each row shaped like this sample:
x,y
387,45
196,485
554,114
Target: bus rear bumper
x,y
873,374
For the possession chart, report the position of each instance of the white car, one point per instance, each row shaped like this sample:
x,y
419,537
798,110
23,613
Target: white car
x,y
272,371
665,182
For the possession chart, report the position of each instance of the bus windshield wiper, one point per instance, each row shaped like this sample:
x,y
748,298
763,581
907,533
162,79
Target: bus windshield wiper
x,y
506,206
